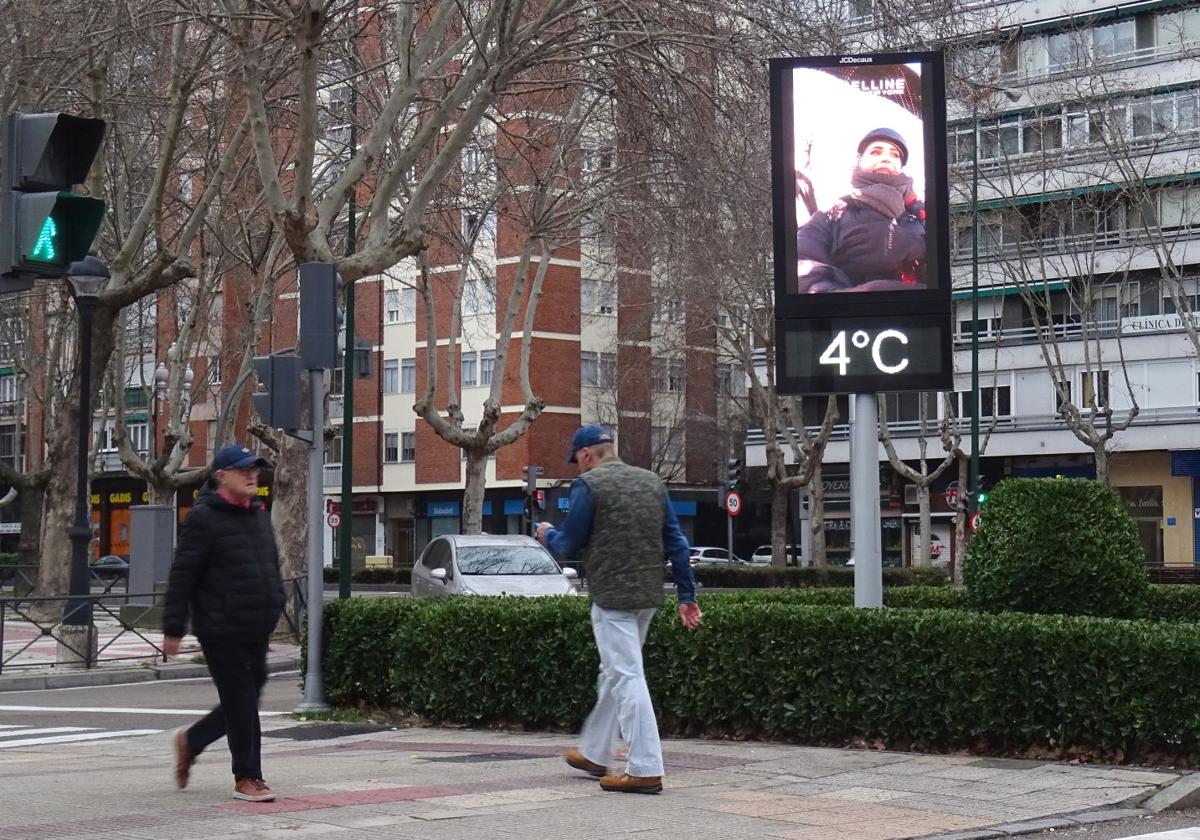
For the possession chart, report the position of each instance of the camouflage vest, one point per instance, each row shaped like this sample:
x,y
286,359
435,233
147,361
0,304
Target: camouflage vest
x,y
624,555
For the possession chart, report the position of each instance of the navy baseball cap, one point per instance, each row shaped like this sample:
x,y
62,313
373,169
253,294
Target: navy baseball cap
x,y
234,456
589,435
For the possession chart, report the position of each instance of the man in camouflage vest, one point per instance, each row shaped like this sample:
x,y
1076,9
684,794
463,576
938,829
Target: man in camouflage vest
x,y
620,525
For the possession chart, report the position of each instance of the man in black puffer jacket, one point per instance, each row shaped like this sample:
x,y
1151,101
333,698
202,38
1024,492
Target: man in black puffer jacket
x,y
872,239
226,576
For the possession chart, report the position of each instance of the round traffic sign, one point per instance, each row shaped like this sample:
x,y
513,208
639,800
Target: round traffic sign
x,y
974,521
733,503
952,494
333,520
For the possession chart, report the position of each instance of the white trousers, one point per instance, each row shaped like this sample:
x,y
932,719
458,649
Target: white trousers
x,y
622,696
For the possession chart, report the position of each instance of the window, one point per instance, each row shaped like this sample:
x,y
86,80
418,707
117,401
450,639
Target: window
x,y
139,436
487,364
478,296
408,306
391,306
214,370
479,225
731,382
469,378
8,388
858,10
666,444
598,370
1112,303
1093,390
668,375
8,446
986,328
1168,308
472,160
136,397
408,376
995,402
391,376
408,446
597,297
391,447
668,311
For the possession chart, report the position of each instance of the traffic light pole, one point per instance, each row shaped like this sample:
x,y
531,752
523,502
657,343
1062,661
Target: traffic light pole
x,y
314,677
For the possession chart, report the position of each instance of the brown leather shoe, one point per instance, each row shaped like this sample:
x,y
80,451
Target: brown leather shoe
x,y
183,759
625,783
253,790
575,758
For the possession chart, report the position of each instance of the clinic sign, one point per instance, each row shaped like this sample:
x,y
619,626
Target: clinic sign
x,y
862,267
1145,324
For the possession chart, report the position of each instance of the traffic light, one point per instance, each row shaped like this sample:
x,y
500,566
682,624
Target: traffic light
x,y
44,225
733,475
277,399
982,498
539,499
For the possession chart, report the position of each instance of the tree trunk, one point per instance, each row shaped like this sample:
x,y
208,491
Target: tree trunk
x,y
1101,464
32,500
779,517
54,563
925,524
162,492
816,512
289,507
477,460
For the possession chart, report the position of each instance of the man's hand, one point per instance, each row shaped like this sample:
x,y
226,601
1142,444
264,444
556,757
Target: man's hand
x,y
542,528
690,615
170,645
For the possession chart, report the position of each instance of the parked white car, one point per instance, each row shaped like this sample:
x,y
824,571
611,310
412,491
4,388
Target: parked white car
x,y
707,555
489,564
762,554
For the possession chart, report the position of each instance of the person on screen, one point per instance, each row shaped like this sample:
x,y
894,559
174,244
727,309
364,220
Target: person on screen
x,y
873,238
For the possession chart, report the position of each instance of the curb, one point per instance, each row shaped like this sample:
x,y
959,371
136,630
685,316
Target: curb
x,y
1180,794
1073,820
120,676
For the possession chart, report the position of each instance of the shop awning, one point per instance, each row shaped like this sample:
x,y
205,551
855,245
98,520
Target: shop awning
x,y
1005,291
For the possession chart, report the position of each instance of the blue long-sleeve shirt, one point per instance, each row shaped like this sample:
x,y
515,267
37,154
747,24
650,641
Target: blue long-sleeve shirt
x,y
566,541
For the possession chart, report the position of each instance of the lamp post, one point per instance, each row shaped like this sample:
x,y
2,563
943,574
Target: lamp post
x,y
86,278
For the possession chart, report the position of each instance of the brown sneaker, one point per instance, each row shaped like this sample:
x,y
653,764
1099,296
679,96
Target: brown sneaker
x,y
253,790
625,783
575,758
183,759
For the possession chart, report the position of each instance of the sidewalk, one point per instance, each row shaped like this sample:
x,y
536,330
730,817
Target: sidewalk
x,y
29,658
439,784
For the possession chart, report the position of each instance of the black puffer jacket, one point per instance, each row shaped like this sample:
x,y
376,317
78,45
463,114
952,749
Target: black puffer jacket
x,y
225,574
853,245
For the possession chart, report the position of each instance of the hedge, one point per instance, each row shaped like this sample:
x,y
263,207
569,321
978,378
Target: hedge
x,y
770,577
922,679
401,575
1163,602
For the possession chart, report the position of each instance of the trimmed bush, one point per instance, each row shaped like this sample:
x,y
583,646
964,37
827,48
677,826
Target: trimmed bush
x,y
926,679
400,575
1056,546
767,577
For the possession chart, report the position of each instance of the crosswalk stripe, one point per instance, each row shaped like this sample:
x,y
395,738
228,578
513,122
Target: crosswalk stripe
x,y
47,730
63,739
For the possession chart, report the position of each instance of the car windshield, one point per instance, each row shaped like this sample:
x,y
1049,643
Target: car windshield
x,y
505,560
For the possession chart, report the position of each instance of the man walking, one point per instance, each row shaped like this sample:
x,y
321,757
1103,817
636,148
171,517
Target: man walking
x,y
226,575
620,525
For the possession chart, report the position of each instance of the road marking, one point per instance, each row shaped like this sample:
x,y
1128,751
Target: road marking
x,y
1181,834
25,730
91,710
60,739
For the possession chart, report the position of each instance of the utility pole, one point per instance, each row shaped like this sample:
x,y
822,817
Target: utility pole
x,y
345,530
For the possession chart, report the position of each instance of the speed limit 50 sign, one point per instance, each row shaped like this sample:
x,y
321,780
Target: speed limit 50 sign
x,y
733,503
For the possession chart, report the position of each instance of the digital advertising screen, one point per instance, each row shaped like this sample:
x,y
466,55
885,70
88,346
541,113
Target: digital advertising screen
x,y
860,201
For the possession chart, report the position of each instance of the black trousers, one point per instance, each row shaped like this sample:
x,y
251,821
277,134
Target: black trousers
x,y
239,670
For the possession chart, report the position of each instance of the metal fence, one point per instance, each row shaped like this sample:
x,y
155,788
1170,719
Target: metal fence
x,y
21,579
32,628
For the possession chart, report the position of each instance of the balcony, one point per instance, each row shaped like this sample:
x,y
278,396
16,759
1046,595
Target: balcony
x,y
336,407
12,409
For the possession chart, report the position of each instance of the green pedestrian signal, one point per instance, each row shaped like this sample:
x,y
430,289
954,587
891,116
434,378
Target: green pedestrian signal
x,y
983,497
44,224
46,247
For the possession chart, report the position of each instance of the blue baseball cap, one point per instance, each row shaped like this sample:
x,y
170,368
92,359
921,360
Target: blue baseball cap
x,y
589,435
234,456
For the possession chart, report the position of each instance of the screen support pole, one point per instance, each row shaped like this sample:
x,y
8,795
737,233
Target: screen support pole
x,y
864,502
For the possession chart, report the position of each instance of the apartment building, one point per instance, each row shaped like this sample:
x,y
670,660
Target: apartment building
x,y
1082,122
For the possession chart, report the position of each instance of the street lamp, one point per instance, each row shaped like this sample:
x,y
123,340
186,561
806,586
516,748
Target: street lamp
x,y
86,278
979,91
